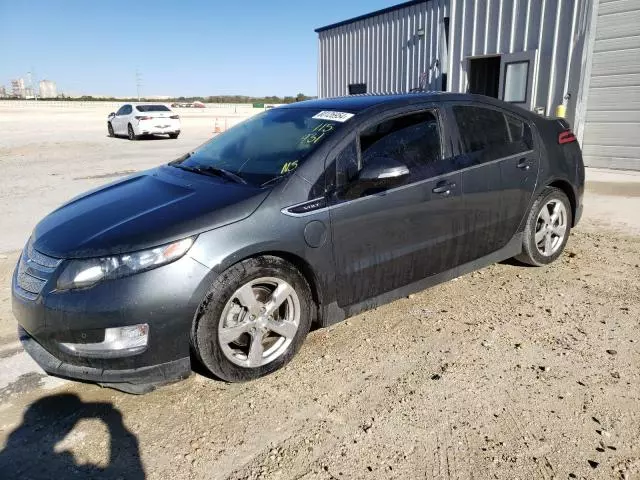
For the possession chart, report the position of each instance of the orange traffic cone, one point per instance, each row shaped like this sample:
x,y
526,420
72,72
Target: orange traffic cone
x,y
216,127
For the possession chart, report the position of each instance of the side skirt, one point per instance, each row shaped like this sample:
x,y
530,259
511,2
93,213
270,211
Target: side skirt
x,y
333,313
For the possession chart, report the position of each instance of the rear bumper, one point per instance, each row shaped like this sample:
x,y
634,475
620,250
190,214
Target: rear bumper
x,y
158,131
134,380
149,127
578,215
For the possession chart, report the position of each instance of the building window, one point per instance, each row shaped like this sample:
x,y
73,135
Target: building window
x,y
516,75
357,88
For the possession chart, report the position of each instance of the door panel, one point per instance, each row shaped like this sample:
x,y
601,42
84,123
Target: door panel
x,y
388,240
499,177
519,174
483,216
121,119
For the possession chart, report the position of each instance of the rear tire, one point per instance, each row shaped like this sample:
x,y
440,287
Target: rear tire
x,y
233,334
131,134
547,229
173,136
110,130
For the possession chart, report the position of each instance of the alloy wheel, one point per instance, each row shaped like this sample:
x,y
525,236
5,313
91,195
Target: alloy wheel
x,y
551,227
259,322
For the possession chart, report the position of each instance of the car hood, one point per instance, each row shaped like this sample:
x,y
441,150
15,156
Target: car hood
x,y
142,211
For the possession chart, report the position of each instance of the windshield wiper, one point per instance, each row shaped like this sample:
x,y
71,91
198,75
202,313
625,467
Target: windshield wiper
x,y
274,179
211,171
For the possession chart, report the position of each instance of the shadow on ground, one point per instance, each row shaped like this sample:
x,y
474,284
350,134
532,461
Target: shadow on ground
x,y
30,450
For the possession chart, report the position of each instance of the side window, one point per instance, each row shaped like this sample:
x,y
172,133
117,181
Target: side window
x,y
120,111
346,164
520,136
412,139
488,134
127,110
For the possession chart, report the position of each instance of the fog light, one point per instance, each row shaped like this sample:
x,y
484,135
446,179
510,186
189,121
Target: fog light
x,y
118,342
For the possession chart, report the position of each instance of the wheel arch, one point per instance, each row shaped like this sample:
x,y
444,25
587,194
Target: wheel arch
x,y
567,189
305,269
303,266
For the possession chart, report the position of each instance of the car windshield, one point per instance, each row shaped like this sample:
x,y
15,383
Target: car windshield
x,y
268,145
152,108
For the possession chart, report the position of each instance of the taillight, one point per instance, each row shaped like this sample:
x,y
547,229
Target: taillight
x,y
140,117
175,117
566,137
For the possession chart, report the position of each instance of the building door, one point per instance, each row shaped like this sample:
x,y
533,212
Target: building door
x,y
516,77
484,76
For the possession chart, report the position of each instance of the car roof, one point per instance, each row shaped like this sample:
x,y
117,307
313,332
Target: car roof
x,y
357,103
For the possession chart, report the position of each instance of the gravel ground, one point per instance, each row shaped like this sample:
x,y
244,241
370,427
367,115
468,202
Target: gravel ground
x,y
508,372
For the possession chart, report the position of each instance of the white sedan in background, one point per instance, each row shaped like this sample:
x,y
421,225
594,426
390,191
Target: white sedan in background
x,y
135,120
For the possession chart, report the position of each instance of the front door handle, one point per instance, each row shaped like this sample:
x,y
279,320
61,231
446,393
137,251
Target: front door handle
x,y
523,164
444,188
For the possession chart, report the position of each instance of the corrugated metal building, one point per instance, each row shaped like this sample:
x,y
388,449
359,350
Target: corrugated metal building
x,y
539,54
612,120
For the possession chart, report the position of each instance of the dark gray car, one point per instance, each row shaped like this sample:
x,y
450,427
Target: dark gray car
x,y
302,215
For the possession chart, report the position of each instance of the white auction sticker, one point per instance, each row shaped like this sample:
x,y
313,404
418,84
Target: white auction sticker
x,y
333,116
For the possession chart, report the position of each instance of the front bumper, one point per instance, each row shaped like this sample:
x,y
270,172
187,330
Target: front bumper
x,y
165,298
132,380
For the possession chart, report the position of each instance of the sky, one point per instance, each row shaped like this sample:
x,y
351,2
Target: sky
x,y
179,47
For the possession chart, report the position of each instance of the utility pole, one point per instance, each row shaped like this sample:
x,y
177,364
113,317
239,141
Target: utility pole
x,y
138,82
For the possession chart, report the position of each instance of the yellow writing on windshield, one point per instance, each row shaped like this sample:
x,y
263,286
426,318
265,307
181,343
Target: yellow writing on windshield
x,y
288,166
317,134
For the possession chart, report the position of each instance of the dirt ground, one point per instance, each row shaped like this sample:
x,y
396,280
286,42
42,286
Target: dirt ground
x,y
509,372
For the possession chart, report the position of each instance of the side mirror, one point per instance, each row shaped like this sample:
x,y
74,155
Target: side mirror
x,y
379,174
383,170
112,114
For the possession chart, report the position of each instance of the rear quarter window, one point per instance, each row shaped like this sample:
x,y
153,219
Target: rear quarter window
x,y
488,134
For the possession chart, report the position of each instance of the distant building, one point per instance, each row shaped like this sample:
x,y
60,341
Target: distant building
x,y
48,89
17,88
3,92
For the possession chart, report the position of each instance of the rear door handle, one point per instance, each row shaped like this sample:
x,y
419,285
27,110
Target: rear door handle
x,y
523,164
444,189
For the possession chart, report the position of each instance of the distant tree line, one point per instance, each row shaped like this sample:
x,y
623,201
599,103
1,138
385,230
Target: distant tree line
x,y
211,99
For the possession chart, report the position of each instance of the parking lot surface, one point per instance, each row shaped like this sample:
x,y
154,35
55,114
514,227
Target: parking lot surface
x,y
508,372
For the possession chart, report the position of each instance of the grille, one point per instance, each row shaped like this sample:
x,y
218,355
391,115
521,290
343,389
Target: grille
x,y
34,270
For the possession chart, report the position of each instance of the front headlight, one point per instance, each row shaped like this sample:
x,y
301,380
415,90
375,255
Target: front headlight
x,y
87,272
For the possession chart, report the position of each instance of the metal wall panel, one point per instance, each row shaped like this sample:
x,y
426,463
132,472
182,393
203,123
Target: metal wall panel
x,y
383,51
556,28
612,126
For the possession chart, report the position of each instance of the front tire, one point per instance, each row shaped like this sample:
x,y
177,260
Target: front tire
x,y
253,320
547,229
110,130
173,136
131,134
